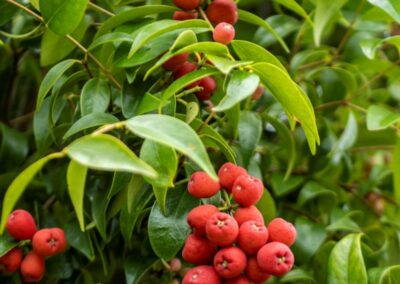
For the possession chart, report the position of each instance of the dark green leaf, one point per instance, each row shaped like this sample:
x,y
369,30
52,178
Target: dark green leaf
x,y
95,96
267,206
7,243
135,268
79,240
250,128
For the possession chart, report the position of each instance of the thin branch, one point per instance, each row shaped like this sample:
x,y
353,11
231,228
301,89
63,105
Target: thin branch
x,y
204,16
101,9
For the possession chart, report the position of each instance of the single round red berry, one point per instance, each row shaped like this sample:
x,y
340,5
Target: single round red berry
x,y
282,231
185,15
32,268
230,262
187,4
258,93
49,242
10,262
201,185
198,217
175,61
252,236
247,190
250,213
21,225
238,280
184,69
224,33
201,275
198,250
222,11
228,173
275,258
222,229
254,271
209,85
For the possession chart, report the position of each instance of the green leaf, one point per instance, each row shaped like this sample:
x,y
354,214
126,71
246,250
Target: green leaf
x,y
174,133
90,120
95,96
384,275
76,179
241,86
120,182
295,7
14,147
225,65
346,140
35,3
62,17
255,20
136,268
282,186
312,191
291,98
267,206
379,117
170,228
7,12
297,275
192,111
250,129
346,263
396,171
105,152
19,184
51,79
7,243
371,45
99,205
391,7
79,240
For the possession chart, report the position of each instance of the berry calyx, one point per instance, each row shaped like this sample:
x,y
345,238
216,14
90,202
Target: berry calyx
x,y
222,11
185,15
247,190
201,275
186,4
250,213
209,85
10,262
198,217
21,225
201,185
230,262
275,258
198,250
222,229
228,173
49,242
252,236
254,272
32,268
282,231
224,33
175,61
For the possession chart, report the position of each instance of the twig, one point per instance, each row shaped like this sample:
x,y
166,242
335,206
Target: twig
x,y
101,9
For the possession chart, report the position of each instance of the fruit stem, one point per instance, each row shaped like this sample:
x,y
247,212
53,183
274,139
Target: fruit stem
x,y
204,16
227,198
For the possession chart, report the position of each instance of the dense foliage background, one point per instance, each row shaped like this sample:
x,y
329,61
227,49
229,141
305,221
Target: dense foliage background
x,y
69,67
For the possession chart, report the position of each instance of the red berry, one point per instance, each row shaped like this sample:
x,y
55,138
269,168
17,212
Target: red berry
x,y
48,242
21,225
175,61
175,265
252,236
10,262
275,258
208,84
32,268
230,262
201,275
222,11
222,229
238,280
187,4
201,185
258,93
228,173
186,68
254,272
250,213
224,33
198,217
185,15
282,231
247,190
198,250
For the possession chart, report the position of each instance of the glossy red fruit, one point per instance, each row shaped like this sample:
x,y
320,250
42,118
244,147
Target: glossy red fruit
x,y
238,280
176,61
21,225
224,33
222,11
228,173
250,213
186,68
203,274
201,185
10,262
275,258
32,268
222,229
198,217
198,250
230,262
282,231
247,190
258,93
49,242
186,4
254,271
252,236
185,15
209,85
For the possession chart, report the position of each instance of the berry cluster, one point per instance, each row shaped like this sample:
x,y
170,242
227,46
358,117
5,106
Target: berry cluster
x,y
45,242
221,13
239,248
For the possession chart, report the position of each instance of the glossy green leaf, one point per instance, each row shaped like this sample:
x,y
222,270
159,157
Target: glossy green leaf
x,y
105,152
346,140
396,171
99,205
120,182
14,147
95,96
387,275
225,65
255,20
315,191
35,3
295,7
391,7
267,206
136,268
174,133
171,228
51,79
184,39
91,120
379,117
19,184
250,129
297,276
62,17
371,46
79,240
346,263
7,243
192,110
76,180
282,186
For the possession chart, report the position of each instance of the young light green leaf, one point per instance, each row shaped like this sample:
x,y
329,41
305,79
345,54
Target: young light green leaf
x,y
192,110
379,117
62,17
384,275
19,184
396,171
173,133
255,20
346,263
186,38
371,45
225,65
105,152
241,85
76,179
295,7
52,77
389,6
95,96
